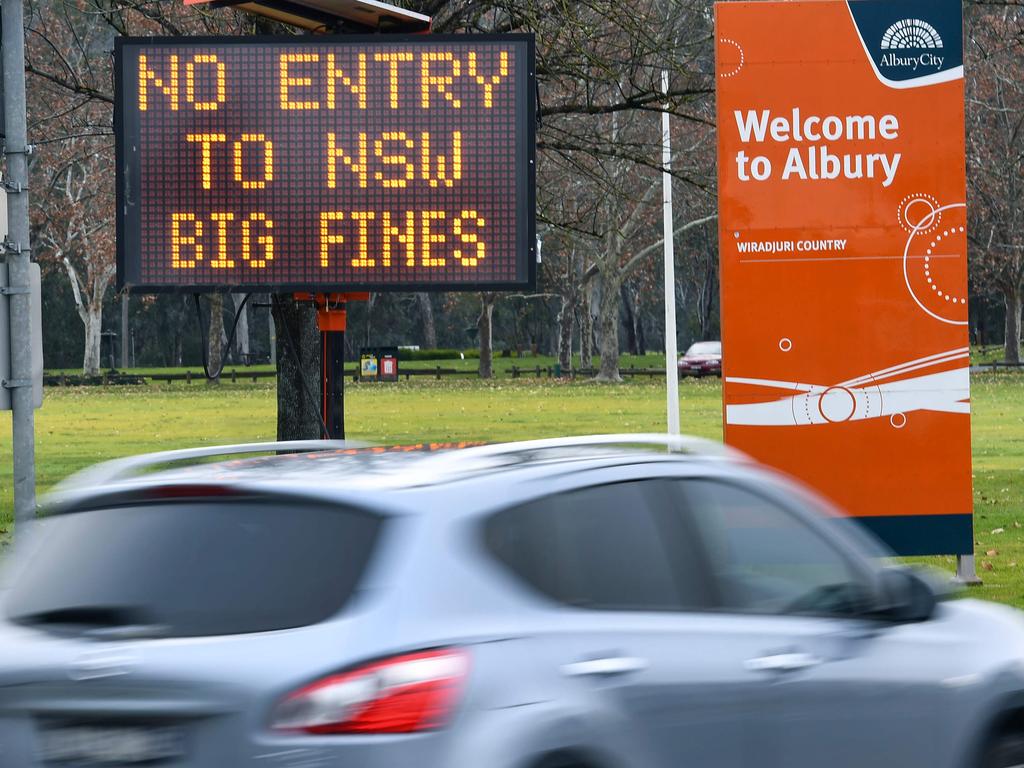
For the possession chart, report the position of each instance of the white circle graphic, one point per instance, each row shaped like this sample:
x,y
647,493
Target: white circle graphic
x,y
917,209
837,404
920,227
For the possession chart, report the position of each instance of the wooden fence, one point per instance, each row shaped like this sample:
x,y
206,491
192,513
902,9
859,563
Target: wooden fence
x,y
436,372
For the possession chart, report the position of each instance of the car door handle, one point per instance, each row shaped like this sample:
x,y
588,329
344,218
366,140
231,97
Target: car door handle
x,y
612,665
782,662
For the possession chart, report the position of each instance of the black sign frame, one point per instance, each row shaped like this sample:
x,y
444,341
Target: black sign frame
x,y
128,166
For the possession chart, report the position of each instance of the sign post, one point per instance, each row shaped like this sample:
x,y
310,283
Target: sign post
x,y
671,354
843,253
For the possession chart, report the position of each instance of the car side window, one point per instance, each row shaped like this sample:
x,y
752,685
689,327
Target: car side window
x,y
608,547
764,558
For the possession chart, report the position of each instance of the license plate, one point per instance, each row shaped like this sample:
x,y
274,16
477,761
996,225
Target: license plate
x,y
87,745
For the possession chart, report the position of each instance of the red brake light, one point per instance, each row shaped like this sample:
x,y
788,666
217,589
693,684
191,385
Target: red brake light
x,y
189,491
403,694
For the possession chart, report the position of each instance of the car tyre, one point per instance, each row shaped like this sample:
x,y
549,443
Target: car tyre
x,y
1007,751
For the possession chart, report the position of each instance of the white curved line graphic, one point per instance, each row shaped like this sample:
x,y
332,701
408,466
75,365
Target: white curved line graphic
x,y
923,224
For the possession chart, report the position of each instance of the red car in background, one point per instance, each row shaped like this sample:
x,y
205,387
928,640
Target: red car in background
x,y
702,359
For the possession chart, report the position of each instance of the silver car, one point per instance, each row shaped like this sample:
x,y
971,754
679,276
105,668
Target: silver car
x,y
576,603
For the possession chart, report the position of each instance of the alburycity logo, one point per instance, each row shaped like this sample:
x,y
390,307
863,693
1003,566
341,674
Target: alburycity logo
x,y
911,35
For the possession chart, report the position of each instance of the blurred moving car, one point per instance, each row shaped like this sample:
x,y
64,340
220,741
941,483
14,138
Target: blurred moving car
x,y
574,603
703,358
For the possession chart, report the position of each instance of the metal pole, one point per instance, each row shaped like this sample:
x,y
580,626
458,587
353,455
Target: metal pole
x,y
671,365
965,573
16,151
334,382
124,330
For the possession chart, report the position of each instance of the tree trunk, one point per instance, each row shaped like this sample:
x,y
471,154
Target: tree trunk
x,y
368,330
298,369
93,340
271,333
91,314
429,328
484,329
215,334
706,303
627,305
1013,299
242,342
608,330
565,333
586,331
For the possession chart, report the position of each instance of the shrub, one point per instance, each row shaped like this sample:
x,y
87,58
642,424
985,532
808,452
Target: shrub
x,y
414,355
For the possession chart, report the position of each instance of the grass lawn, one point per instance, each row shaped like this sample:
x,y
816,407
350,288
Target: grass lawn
x,y
80,426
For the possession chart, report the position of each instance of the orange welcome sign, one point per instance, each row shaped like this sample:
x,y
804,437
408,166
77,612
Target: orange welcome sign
x,y
843,251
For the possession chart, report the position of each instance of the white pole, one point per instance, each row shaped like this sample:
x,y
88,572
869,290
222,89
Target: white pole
x,y
671,369
17,149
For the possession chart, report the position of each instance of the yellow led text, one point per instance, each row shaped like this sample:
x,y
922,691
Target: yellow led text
x,y
266,240
221,220
356,87
405,236
393,60
424,238
168,83
403,140
288,82
220,94
180,240
429,236
308,81
268,161
327,237
488,83
206,150
435,169
470,258
190,237
430,81
203,92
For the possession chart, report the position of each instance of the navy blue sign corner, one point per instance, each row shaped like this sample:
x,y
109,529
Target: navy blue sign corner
x,y
911,40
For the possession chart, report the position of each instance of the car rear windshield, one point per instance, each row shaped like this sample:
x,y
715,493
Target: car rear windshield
x,y
178,569
705,348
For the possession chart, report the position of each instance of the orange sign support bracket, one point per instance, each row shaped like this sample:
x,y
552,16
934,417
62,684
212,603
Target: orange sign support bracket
x,y
331,308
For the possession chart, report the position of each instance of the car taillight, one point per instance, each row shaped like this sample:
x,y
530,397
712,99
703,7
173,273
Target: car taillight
x,y
403,694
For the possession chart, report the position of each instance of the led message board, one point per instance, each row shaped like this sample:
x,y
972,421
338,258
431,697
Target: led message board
x,y
843,247
327,163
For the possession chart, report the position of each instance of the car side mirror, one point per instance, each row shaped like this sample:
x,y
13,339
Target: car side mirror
x,y
906,596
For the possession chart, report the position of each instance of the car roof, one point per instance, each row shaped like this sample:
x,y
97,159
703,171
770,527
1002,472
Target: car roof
x,y
348,468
